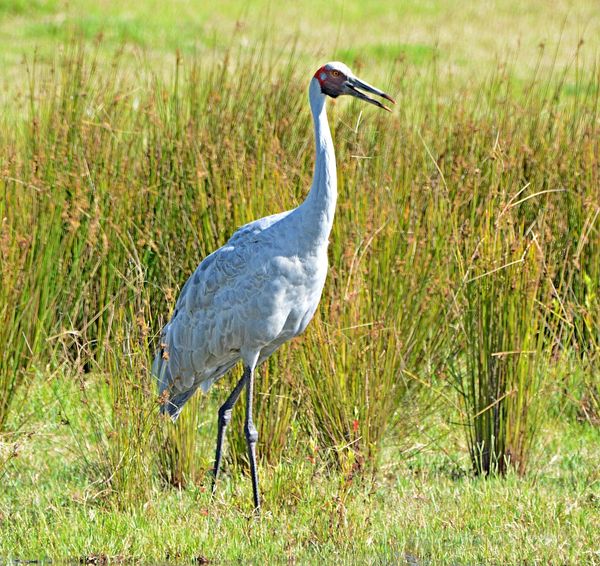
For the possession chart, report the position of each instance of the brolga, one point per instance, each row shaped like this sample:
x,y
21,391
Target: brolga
x,y
260,289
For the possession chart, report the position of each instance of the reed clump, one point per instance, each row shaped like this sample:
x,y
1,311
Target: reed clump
x,y
466,238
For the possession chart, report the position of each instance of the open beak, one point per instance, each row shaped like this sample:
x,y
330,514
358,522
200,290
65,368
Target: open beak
x,y
354,84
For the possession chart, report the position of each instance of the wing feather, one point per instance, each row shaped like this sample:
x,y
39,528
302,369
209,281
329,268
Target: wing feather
x,y
202,341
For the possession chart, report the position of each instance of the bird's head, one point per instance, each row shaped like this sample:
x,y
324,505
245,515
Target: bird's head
x,y
337,79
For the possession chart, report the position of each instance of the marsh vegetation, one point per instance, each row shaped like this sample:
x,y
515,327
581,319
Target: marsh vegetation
x,y
444,403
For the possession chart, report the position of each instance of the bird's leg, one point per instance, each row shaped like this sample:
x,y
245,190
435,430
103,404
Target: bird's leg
x,y
224,420
251,437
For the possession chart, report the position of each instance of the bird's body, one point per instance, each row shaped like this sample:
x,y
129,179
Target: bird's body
x,y
250,296
260,289
256,292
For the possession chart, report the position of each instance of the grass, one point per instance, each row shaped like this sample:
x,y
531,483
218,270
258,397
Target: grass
x,y
466,38
424,508
458,331
507,334
439,521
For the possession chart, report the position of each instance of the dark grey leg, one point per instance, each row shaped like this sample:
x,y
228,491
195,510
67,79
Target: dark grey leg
x,y
224,420
251,438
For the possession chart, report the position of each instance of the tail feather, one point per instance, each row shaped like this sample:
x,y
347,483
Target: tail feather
x,y
160,370
171,405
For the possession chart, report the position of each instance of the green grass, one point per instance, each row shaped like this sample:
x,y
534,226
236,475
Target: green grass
x,y
437,519
381,52
461,309
468,38
425,507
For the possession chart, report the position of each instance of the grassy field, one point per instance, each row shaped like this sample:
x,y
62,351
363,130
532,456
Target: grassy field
x,y
423,507
466,38
444,405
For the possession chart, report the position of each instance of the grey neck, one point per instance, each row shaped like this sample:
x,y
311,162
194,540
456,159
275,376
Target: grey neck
x,y
319,205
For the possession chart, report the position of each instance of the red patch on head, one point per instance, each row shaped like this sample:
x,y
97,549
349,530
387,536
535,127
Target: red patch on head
x,y
321,71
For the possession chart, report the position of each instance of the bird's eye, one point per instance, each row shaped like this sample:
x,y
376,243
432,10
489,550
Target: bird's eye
x,y
335,73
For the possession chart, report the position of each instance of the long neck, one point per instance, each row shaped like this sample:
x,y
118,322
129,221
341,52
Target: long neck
x,y
319,205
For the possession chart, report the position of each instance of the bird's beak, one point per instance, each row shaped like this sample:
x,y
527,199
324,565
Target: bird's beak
x,y
354,84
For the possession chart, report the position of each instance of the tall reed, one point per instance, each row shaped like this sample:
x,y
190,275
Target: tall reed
x,y
117,184
507,335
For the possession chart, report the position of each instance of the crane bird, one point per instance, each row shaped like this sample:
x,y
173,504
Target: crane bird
x,y
261,288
